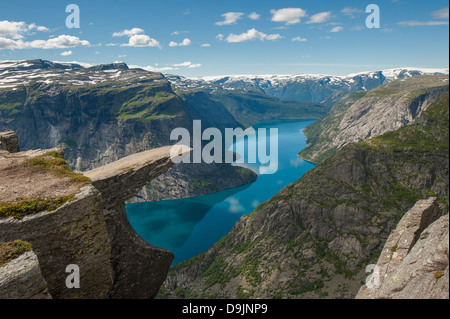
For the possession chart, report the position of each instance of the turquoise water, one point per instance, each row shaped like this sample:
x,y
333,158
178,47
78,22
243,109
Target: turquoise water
x,y
191,226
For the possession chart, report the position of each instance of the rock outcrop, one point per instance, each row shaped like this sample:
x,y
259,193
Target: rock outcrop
x,y
362,115
89,228
9,142
415,259
104,113
21,278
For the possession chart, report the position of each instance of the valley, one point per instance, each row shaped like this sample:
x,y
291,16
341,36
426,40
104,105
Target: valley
x,y
379,139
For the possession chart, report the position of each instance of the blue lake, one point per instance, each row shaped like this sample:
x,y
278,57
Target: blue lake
x,y
191,226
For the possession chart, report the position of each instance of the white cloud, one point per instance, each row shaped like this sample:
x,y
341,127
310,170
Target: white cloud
x,y
17,30
230,18
288,15
337,29
414,23
438,14
320,17
157,68
205,45
66,53
183,64
441,14
251,34
273,37
187,64
299,39
128,33
185,43
137,39
6,43
177,32
61,42
235,206
254,16
151,68
141,40
351,12
220,36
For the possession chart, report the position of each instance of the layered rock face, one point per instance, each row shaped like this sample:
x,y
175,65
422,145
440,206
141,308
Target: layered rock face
x,y
362,115
21,278
104,113
414,261
9,142
90,229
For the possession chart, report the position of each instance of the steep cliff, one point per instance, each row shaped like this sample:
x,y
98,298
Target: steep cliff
x,y
315,238
74,219
414,261
103,113
361,115
21,276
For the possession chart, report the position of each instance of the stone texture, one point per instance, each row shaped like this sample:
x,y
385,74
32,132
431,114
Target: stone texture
x,y
21,278
9,142
92,231
384,109
414,261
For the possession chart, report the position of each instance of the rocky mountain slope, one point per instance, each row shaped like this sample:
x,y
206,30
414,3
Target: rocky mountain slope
x,y
317,88
103,113
361,115
315,238
414,261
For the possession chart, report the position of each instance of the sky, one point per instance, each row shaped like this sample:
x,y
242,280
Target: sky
x,y
210,37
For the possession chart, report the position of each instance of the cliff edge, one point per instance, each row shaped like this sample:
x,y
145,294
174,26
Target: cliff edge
x,y
414,261
75,219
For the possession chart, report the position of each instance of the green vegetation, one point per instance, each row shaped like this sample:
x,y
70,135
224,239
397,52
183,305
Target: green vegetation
x,y
219,272
438,274
12,250
251,106
320,134
28,207
54,163
314,132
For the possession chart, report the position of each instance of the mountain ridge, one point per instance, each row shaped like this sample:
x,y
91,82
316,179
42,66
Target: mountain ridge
x,y
315,238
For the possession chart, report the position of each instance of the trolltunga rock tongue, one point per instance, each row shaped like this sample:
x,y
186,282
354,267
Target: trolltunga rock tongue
x,y
121,180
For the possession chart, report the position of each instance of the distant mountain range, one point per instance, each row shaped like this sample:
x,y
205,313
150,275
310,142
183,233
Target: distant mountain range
x,y
317,88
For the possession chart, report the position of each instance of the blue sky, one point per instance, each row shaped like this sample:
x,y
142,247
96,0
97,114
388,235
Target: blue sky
x,y
211,37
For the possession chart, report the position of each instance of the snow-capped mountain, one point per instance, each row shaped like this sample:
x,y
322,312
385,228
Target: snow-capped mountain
x,y
17,73
318,88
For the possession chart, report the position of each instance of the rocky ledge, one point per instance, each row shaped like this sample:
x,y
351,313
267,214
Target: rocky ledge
x,y
74,219
414,261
